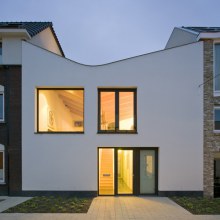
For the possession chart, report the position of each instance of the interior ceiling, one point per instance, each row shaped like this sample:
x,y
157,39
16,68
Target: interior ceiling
x,y
73,100
125,105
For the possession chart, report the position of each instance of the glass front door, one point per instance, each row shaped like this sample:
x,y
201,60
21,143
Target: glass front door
x,y
106,171
125,171
147,171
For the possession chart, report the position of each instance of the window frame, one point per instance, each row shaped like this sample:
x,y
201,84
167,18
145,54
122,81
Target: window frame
x,y
216,92
117,91
2,150
214,129
2,92
37,111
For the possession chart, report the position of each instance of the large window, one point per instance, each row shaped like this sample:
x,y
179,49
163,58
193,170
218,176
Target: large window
x,y
60,110
217,68
2,164
2,106
117,110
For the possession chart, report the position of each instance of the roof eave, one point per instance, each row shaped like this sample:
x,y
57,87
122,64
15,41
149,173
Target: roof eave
x,y
190,31
20,33
208,36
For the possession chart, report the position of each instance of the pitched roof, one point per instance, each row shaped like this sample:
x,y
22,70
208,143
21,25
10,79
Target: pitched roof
x,y
203,29
33,28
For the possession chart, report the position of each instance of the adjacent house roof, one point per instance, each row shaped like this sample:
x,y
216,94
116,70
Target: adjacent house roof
x,y
203,29
33,28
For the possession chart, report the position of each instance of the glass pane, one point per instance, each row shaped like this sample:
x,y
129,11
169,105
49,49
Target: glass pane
x,y
106,171
107,113
60,110
217,119
125,171
217,67
1,106
147,171
126,110
1,166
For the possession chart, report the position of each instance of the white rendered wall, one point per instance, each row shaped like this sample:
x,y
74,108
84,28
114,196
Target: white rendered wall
x,y
180,37
11,51
169,116
45,39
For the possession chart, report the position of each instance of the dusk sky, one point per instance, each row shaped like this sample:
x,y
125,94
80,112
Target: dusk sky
x,y
102,31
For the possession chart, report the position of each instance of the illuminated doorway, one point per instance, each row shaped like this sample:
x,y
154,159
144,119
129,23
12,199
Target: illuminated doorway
x,y
127,171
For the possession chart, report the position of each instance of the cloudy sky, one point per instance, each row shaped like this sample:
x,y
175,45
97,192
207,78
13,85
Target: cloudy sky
x,y
102,31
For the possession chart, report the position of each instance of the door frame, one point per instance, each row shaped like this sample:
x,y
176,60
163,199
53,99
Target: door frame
x,y
136,169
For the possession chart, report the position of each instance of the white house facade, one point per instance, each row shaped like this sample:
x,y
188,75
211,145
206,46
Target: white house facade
x,y
131,127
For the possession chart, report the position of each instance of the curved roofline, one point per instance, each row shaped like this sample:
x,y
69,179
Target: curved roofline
x,y
117,61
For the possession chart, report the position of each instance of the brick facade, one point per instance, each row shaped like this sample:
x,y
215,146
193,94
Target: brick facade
x,y
10,130
211,139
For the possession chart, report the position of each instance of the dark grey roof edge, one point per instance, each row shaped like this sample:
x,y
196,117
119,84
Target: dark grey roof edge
x,y
202,29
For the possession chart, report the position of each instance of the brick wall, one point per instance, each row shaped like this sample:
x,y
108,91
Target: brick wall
x,y
10,131
211,139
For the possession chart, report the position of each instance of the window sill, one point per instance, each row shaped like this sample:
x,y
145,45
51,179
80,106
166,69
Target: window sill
x,y
117,132
2,183
65,132
216,131
216,93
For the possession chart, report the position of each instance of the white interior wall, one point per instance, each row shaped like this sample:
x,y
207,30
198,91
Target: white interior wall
x,y
169,116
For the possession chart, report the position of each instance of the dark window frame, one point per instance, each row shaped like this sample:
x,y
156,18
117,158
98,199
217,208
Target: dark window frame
x,y
59,132
117,91
2,93
0,48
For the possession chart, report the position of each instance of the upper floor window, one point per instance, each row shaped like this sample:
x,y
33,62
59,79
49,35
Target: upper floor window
x,y
60,110
217,68
2,105
117,111
217,118
2,163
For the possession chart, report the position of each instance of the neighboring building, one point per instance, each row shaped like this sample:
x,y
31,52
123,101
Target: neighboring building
x,y
145,125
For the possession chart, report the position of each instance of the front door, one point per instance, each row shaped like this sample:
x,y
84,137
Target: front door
x,y
127,171
147,172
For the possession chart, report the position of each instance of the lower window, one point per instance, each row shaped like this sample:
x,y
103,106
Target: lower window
x,y
217,118
60,110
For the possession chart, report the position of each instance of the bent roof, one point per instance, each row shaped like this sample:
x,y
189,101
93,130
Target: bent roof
x,y
203,29
33,28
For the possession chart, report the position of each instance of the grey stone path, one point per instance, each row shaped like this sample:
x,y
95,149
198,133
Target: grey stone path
x,y
152,208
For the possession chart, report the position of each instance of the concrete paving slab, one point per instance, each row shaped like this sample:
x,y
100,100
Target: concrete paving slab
x,y
9,202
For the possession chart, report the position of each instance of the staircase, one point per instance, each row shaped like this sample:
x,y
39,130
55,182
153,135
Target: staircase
x,y
106,174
